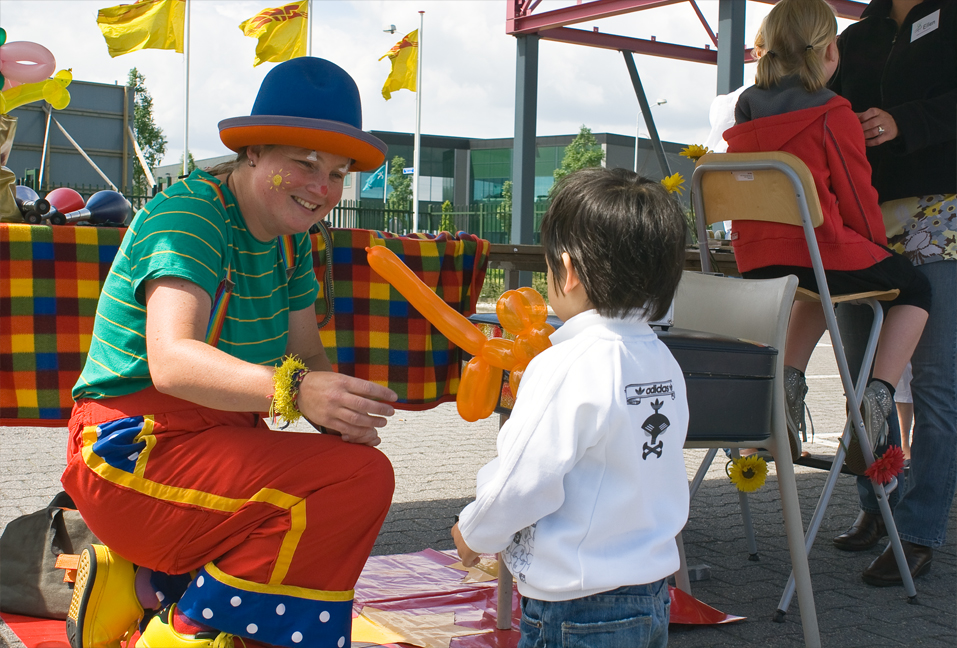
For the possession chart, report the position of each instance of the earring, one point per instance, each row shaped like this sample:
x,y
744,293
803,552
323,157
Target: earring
x,y
251,163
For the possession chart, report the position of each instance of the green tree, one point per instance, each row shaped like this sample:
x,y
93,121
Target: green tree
x,y
190,166
400,193
583,152
149,136
400,185
446,224
504,211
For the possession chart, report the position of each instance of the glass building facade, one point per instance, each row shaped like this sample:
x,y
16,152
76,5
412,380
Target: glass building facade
x,y
436,177
491,168
468,171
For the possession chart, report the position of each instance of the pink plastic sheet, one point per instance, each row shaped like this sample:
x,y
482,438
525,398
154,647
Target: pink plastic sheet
x,y
419,584
423,583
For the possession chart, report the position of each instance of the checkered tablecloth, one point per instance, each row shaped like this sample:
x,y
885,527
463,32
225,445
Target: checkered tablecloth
x,y
376,334
50,280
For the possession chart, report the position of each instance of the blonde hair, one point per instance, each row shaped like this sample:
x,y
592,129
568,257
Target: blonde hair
x,y
796,35
760,47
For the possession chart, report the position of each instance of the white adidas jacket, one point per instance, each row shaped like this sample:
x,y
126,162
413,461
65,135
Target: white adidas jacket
x,y
589,488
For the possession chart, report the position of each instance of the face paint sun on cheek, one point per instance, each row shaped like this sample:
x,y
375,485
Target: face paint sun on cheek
x,y
277,179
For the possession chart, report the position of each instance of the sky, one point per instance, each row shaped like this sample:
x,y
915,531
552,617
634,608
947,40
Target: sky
x,y
468,78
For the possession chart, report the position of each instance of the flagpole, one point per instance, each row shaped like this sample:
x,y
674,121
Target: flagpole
x,y
186,94
418,124
385,182
309,29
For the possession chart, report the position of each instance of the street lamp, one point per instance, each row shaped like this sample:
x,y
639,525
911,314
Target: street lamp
x,y
638,131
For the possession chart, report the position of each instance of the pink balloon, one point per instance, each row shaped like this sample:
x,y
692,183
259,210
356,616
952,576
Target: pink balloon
x,y
25,62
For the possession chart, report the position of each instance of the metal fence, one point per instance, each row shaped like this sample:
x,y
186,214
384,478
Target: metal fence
x,y
488,220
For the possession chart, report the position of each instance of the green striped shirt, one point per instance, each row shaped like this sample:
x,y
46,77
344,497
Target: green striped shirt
x,y
194,231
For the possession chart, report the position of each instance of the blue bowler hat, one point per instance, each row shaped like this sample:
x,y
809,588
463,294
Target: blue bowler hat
x,y
311,103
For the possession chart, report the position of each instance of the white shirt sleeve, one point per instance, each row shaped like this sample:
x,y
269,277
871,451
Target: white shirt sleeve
x,y
541,442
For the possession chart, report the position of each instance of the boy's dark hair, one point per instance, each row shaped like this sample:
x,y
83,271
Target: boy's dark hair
x,y
626,238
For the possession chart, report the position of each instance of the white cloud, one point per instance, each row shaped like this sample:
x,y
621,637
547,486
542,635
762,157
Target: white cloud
x,y
468,84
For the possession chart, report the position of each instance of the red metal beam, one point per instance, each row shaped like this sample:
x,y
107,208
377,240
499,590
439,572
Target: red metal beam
x,y
707,27
636,45
519,22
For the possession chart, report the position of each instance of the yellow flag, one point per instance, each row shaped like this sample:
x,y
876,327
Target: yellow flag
x,y
147,24
282,32
405,61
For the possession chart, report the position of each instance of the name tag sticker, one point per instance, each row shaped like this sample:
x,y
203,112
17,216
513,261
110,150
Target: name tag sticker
x,y
925,25
744,176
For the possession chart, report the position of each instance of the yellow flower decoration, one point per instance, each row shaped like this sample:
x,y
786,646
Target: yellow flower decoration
x,y
673,183
748,473
694,151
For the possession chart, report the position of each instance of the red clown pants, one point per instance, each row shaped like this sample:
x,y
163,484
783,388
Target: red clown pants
x,y
279,524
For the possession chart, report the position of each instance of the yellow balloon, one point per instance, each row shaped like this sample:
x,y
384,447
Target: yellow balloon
x,y
51,90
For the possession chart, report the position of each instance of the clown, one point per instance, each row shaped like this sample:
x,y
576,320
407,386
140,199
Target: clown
x,y
214,525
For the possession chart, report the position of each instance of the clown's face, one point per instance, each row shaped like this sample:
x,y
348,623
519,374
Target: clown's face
x,y
291,188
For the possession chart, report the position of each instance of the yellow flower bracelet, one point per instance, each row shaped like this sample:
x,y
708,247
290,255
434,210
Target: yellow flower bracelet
x,y
287,382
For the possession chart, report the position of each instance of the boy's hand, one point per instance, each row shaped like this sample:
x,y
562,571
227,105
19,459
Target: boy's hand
x,y
469,557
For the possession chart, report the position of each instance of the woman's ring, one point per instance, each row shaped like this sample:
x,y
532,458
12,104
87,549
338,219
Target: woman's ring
x,y
880,130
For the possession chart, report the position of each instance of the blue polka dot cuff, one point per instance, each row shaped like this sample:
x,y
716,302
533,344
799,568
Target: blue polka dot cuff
x,y
280,615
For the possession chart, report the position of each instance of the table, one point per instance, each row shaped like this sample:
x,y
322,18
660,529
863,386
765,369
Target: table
x,y
531,258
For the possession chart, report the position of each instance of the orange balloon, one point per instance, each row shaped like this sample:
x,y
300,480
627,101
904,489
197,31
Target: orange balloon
x,y
521,312
523,350
513,311
538,340
515,377
538,309
499,352
450,322
479,390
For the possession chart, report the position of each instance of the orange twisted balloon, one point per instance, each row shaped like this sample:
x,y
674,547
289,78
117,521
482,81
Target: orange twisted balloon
x,y
521,312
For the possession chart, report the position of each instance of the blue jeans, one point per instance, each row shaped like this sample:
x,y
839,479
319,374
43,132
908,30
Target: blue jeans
x,y
635,616
921,510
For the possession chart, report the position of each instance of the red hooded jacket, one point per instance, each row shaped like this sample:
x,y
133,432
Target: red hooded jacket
x,y
830,141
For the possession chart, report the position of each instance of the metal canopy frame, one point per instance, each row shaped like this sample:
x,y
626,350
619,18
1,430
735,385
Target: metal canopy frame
x,y
529,27
521,20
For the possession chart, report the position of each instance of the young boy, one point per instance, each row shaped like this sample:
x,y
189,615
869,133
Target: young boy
x,y
589,488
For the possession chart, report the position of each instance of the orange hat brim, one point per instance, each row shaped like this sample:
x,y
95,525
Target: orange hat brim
x,y
367,155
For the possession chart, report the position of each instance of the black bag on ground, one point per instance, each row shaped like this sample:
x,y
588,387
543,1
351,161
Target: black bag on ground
x,y
30,583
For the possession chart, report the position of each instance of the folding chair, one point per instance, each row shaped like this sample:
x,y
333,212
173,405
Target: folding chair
x,y
778,187
756,310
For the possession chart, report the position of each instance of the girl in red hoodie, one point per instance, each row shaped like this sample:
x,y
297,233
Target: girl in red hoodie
x,y
789,109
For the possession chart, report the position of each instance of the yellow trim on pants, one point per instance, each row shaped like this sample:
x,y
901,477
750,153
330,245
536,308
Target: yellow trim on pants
x,y
137,481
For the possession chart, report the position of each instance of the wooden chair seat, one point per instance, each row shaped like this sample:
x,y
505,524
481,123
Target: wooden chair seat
x,y
803,294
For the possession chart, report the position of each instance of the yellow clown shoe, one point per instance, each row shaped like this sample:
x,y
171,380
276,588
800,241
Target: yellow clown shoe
x,y
104,609
160,633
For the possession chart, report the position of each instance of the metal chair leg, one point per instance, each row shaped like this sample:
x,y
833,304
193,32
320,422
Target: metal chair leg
x,y
853,425
746,518
702,471
682,580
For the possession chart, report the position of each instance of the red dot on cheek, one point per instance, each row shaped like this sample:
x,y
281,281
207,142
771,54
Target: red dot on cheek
x,y
323,190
